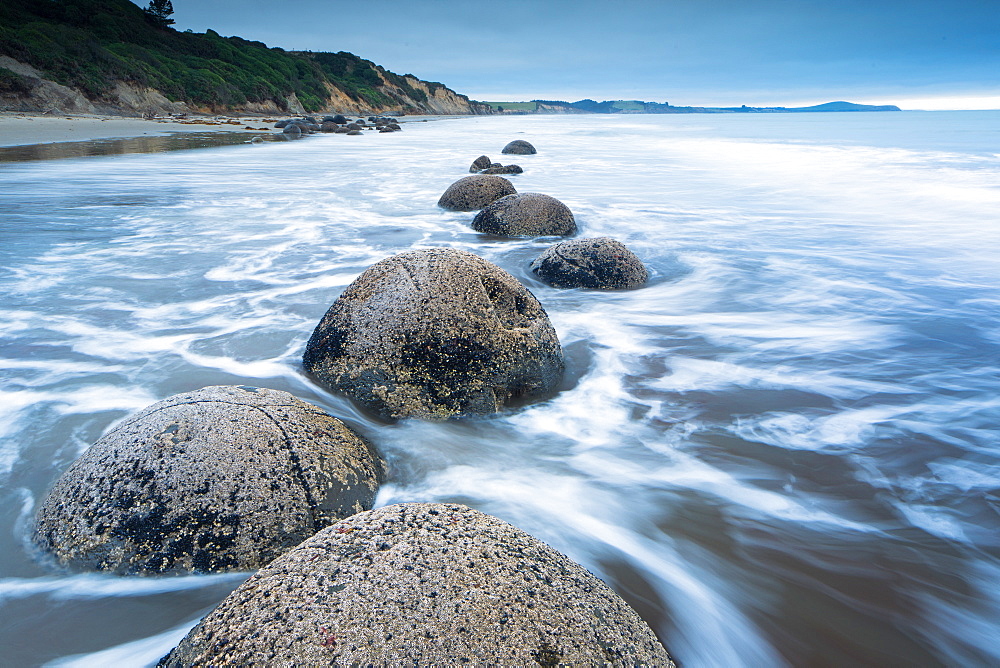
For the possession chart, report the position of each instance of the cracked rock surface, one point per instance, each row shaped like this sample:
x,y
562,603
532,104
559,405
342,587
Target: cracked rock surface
x,y
472,193
223,478
525,215
434,334
422,584
600,263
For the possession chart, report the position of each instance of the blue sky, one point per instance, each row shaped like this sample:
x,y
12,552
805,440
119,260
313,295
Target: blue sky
x,y
916,53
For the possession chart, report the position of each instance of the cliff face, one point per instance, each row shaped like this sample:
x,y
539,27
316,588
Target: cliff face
x,y
100,56
39,94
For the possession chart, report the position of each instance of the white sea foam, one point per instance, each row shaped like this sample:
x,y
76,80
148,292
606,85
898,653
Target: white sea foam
x,y
802,399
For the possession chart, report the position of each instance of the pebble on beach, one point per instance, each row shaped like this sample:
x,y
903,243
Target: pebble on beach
x,y
222,478
435,334
601,263
422,584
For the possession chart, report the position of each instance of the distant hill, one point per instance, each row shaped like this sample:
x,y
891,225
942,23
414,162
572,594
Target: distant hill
x,y
640,107
846,106
109,55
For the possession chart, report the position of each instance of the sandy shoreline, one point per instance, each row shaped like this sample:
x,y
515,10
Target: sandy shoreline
x,y
24,129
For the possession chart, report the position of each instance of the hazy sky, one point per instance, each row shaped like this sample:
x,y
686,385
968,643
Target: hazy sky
x,y
915,53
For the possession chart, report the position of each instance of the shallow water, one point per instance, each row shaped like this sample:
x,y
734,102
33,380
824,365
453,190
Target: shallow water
x,y
782,451
148,144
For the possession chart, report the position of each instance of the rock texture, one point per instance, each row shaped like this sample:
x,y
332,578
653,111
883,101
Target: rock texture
x,y
601,263
435,334
223,478
422,585
503,169
519,147
474,192
525,215
480,163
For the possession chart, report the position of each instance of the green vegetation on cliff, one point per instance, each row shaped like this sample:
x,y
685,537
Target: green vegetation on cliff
x,y
92,45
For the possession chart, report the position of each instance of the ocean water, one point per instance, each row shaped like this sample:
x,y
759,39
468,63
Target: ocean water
x,y
782,451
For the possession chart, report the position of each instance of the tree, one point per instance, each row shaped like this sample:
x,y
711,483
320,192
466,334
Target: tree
x,y
159,11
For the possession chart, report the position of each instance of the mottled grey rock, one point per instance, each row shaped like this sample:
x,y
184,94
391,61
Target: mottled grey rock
x,y
283,123
354,132
223,478
422,584
601,263
503,169
519,147
395,126
435,334
342,130
525,215
340,119
292,129
328,126
353,126
480,163
474,192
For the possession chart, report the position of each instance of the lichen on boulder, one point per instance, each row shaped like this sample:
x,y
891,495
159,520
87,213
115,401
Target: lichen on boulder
x,y
435,334
223,478
422,584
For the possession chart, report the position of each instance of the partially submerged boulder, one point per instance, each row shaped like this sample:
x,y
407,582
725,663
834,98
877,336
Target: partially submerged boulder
x,y
525,215
503,169
472,193
422,584
480,163
519,147
600,263
223,478
435,334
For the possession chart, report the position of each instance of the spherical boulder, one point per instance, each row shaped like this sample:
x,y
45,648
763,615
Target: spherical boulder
x,y
422,584
519,147
525,215
480,163
292,129
435,334
282,123
328,126
340,119
341,130
223,478
601,263
474,192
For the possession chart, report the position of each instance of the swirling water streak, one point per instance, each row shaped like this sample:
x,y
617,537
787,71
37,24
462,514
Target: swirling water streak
x,y
782,451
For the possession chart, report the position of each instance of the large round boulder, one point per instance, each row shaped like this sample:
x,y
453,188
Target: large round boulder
x,y
474,192
339,119
525,215
422,584
223,478
293,130
601,263
435,334
519,147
